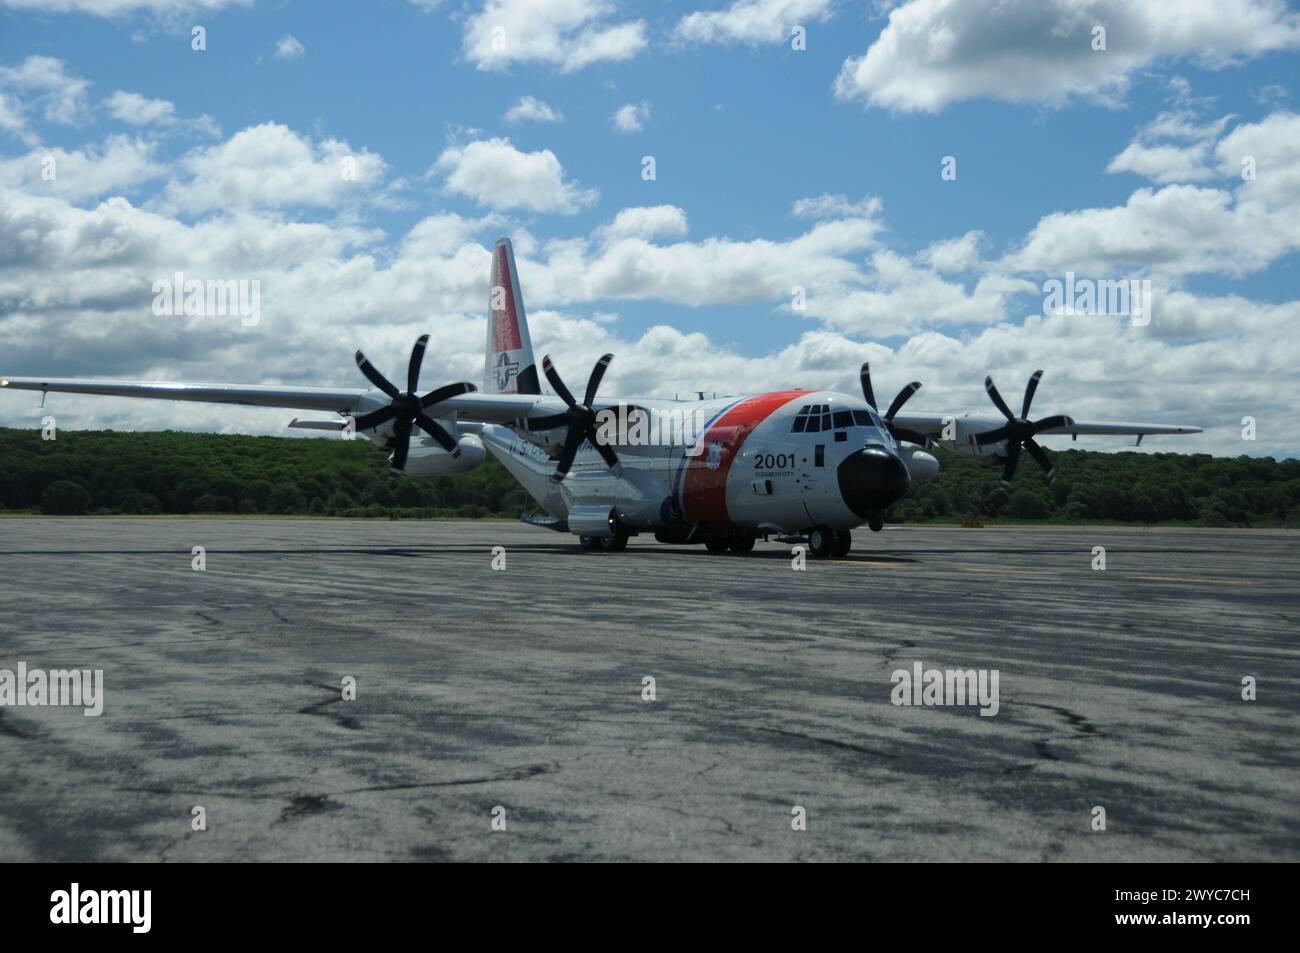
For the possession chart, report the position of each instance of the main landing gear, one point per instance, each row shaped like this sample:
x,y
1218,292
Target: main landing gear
x,y
738,542
609,544
825,542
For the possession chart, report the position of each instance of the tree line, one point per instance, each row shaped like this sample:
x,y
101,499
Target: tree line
x,y
174,472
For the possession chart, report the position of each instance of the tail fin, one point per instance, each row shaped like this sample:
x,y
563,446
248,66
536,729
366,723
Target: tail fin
x,y
510,367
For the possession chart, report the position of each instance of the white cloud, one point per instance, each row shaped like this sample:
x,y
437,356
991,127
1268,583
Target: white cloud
x,y
632,117
114,8
495,174
137,110
835,206
1174,147
1184,229
272,166
289,48
655,221
752,21
955,254
935,52
900,298
41,83
11,114
532,109
568,34
119,163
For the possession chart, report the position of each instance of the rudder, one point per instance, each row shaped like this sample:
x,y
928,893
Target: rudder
x,y
509,367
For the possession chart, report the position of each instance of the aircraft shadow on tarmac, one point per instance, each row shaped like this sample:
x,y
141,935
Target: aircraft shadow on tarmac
x,y
562,549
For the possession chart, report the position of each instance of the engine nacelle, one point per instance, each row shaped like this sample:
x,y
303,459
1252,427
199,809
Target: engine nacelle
x,y
921,466
598,521
435,461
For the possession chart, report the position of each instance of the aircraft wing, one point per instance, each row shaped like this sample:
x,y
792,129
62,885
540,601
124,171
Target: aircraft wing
x,y
1122,428
932,424
342,401
490,408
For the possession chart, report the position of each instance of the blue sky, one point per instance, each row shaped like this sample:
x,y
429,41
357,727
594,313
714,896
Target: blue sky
x,y
741,127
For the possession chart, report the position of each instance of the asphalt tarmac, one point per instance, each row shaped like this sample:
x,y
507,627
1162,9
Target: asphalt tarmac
x,y
518,694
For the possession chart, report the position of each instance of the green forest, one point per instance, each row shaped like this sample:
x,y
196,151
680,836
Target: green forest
x,y
110,473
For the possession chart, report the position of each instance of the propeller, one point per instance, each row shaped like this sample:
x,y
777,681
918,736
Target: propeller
x,y
407,409
1019,431
579,419
904,395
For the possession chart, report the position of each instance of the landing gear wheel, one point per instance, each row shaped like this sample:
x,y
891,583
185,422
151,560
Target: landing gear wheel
x,y
616,542
843,543
716,545
742,541
589,542
876,522
821,539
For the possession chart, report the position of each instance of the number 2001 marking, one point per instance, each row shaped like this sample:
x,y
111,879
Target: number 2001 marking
x,y
773,461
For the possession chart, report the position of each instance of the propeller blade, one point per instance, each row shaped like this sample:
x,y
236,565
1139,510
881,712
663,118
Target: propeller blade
x,y
606,452
902,398
549,422
1013,458
911,436
376,378
1052,423
376,417
403,445
1029,392
438,433
417,358
864,376
440,394
997,399
572,441
1040,455
597,375
991,436
553,376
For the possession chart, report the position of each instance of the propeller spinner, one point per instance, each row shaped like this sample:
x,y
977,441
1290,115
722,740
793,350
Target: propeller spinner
x,y
1019,431
407,409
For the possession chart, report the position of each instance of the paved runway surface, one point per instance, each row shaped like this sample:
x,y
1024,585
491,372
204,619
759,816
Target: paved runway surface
x,y
522,689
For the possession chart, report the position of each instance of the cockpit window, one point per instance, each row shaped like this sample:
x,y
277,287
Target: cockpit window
x,y
819,418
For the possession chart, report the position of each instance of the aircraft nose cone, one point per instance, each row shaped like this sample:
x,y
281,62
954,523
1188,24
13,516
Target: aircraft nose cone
x,y
871,480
